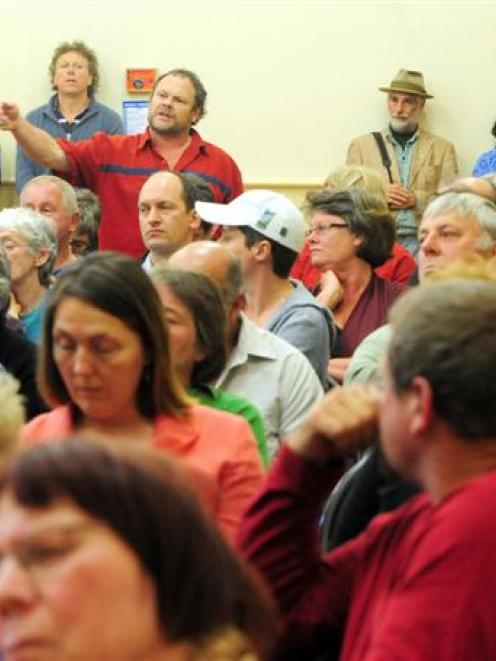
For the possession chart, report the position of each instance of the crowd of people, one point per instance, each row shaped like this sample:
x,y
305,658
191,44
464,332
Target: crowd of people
x,y
189,371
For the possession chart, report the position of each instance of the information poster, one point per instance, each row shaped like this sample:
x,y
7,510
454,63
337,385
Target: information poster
x,y
135,114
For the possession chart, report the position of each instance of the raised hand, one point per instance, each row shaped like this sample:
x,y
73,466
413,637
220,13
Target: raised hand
x,y
345,421
9,116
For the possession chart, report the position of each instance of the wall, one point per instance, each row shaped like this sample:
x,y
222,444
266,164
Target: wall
x,y
289,82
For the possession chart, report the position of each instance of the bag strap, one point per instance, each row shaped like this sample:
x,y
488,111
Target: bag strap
x,y
386,161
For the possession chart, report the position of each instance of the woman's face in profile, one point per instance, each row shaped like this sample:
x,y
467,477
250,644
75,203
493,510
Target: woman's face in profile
x,y
182,333
70,588
330,240
100,360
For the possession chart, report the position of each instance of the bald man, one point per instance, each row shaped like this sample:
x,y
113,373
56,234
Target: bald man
x,y
262,367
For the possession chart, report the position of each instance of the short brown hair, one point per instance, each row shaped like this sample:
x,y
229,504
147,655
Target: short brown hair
x,y
81,48
444,332
117,285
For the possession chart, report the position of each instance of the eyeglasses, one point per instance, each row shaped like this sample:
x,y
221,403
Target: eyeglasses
x,y
320,228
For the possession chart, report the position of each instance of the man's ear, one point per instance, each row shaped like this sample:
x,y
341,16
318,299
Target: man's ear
x,y
195,116
420,405
261,251
195,220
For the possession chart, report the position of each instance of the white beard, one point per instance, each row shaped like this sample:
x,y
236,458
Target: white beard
x,y
403,125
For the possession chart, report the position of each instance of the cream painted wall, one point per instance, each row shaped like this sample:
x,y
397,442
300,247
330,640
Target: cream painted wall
x,y
289,82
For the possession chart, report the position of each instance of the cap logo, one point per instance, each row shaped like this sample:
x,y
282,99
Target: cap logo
x,y
265,219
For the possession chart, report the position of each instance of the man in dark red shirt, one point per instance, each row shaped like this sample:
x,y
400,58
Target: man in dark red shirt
x,y
116,167
420,582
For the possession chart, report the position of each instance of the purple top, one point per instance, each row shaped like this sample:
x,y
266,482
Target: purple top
x,y
368,314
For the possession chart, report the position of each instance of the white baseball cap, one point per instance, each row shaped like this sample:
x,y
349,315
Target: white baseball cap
x,y
269,213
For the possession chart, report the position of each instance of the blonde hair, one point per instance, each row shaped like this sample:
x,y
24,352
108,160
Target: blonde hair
x,y
12,414
347,176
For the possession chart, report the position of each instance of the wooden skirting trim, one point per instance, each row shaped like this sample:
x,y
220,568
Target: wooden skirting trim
x,y
8,195
289,186
296,191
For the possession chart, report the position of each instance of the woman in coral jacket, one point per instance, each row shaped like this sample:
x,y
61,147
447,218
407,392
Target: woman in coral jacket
x,y
105,369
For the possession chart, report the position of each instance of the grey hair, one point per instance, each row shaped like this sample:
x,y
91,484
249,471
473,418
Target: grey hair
x,y
69,199
4,282
480,209
38,231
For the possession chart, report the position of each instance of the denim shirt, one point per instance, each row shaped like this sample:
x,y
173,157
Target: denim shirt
x,y
405,218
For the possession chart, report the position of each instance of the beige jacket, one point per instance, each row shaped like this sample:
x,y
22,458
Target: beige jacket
x,y
433,162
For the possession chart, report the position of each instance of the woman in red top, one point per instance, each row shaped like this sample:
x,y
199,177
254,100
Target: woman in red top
x,y
106,370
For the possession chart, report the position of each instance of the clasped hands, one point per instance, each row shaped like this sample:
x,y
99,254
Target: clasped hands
x,y
399,197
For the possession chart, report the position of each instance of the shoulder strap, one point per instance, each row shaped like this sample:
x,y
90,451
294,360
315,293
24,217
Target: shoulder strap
x,y
386,161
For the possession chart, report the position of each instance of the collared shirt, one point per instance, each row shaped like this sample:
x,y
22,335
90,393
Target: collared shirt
x,y
67,125
274,376
405,218
146,264
116,167
485,163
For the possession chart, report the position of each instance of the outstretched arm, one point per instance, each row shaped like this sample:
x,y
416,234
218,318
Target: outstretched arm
x,y
37,144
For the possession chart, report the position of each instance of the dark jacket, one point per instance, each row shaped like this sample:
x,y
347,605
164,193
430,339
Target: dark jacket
x,y
18,357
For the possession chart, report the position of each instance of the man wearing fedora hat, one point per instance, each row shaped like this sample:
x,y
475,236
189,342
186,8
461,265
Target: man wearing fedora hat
x,y
412,161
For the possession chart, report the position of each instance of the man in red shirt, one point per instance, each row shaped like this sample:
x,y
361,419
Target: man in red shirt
x,y
420,582
116,167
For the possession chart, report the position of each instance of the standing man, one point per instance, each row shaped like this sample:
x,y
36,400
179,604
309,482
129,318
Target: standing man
x,y
116,167
72,112
411,161
56,199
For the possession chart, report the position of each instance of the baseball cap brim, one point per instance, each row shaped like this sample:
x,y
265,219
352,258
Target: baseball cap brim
x,y
223,214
